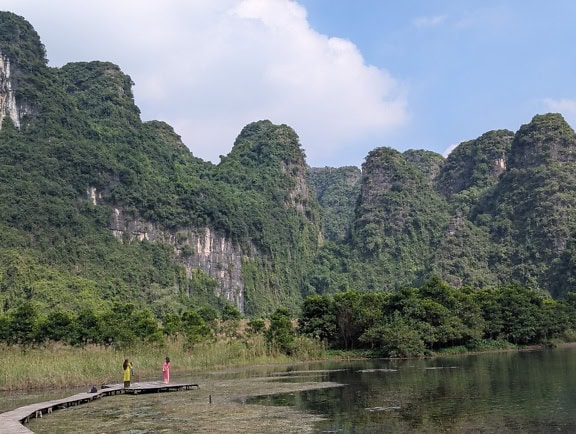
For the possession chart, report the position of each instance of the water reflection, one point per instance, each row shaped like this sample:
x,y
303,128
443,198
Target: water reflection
x,y
528,392
505,392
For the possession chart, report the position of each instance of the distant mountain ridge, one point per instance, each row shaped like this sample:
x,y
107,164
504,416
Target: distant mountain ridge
x,y
97,206
499,209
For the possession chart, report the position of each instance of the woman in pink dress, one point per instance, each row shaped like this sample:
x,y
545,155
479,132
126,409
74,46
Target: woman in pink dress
x,y
166,370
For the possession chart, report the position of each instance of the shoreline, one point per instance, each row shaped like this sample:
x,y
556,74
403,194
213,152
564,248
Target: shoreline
x,y
222,404
146,374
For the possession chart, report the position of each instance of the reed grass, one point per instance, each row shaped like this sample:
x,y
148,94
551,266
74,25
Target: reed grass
x,y
59,366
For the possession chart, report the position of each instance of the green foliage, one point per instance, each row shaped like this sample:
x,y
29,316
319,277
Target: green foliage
x,y
230,323
396,336
337,190
256,326
414,321
58,327
23,324
281,334
83,136
475,166
195,328
498,212
318,318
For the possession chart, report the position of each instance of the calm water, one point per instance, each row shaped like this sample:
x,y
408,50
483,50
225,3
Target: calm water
x,y
506,392
525,392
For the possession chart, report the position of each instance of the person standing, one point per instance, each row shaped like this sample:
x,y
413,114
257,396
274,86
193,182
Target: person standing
x,y
166,370
127,372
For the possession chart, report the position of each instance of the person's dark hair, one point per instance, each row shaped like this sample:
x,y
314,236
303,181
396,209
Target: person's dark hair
x,y
168,359
125,365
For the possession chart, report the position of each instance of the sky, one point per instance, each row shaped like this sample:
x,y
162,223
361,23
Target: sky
x,y
347,75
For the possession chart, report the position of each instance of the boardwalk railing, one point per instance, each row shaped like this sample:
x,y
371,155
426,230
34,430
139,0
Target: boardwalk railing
x,y
12,422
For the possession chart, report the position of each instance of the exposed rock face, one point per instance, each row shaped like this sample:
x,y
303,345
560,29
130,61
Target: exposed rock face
x,y
8,106
300,194
196,249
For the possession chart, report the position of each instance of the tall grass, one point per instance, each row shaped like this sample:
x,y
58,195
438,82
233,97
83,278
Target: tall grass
x,y
58,366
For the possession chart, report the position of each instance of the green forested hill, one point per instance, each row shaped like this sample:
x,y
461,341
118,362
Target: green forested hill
x,y
500,209
98,207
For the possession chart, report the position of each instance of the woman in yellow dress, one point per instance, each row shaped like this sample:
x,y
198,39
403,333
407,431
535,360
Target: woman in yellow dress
x,y
127,372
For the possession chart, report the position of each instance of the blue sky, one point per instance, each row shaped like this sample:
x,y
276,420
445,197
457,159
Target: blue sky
x,y
348,76
468,66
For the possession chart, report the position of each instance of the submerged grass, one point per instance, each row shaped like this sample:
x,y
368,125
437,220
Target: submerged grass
x,y
58,366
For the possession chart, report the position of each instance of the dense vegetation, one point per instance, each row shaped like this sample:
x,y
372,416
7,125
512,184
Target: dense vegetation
x,y
406,323
498,212
337,190
417,321
81,135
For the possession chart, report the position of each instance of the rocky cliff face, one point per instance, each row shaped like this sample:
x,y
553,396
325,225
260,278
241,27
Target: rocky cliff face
x,y
8,106
22,56
194,248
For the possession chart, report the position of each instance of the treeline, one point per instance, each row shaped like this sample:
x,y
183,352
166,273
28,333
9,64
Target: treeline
x,y
408,323
417,321
121,325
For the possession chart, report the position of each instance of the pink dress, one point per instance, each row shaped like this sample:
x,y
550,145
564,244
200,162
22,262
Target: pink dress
x,y
166,372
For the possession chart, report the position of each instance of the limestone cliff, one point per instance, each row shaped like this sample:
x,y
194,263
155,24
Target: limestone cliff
x,y
8,106
22,56
194,248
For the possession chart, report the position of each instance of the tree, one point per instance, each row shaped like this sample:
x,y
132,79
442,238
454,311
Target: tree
x,y
396,336
318,318
172,325
281,334
347,309
24,324
195,328
88,328
58,327
230,320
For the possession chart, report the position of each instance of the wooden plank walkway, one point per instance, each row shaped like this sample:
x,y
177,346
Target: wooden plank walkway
x,y
12,422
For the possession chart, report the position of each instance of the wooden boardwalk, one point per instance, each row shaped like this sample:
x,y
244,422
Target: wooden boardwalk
x,y
12,422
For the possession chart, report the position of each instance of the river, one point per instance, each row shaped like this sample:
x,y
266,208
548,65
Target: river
x,y
519,392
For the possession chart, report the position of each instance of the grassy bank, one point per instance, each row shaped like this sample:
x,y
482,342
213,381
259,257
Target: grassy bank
x,y
58,366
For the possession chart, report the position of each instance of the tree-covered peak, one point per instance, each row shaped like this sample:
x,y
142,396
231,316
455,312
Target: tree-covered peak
x,y
547,138
20,43
428,163
476,163
269,158
263,143
103,93
386,168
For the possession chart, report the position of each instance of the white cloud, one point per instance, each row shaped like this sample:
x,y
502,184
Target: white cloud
x,y
431,21
210,67
449,150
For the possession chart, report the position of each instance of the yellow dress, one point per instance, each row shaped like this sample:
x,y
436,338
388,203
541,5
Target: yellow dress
x,y
127,372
